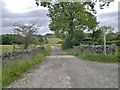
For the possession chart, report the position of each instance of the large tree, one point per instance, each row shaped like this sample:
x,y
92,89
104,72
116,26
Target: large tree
x,y
102,3
69,17
66,17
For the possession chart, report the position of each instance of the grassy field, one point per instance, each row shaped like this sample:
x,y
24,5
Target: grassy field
x,y
8,48
53,40
93,56
13,71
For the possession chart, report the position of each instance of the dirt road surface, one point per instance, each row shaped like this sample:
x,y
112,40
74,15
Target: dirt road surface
x,y
60,70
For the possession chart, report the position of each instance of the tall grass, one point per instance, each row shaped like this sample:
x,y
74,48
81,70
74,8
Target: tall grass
x,y
13,71
47,50
94,57
0,76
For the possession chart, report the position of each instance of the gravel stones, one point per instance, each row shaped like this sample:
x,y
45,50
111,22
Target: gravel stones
x,y
65,71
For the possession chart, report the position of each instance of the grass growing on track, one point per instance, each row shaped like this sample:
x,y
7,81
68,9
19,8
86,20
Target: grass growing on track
x,y
13,71
93,56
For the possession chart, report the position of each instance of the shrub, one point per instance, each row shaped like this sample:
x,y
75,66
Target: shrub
x,y
118,42
70,42
66,44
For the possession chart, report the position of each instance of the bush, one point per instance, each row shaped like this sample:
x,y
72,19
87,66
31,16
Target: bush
x,y
118,42
59,42
66,44
95,43
70,42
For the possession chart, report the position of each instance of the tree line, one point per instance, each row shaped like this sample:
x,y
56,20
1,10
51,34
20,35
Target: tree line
x,y
10,39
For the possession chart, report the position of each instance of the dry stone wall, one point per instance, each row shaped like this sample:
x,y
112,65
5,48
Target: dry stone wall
x,y
96,49
12,56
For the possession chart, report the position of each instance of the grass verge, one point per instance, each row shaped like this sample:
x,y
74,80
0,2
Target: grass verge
x,y
47,50
112,58
13,71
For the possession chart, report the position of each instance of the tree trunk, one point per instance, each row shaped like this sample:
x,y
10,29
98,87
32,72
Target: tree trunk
x,y
27,41
71,25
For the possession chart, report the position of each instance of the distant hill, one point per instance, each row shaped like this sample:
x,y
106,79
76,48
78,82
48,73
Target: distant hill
x,y
49,35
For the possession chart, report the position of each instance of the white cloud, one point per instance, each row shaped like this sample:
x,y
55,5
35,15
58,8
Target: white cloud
x,y
30,15
44,30
113,7
109,16
19,5
25,11
109,19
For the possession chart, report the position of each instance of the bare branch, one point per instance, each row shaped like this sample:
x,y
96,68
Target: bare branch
x,y
27,30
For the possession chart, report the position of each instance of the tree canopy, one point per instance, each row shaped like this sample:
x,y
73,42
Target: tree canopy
x,y
66,17
71,17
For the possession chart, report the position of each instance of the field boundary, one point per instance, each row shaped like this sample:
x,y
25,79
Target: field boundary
x,y
12,56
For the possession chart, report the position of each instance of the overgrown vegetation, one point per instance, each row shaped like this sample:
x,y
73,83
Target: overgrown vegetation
x,y
11,72
47,50
94,57
0,76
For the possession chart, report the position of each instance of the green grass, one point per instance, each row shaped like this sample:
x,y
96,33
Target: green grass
x,y
13,71
93,56
47,50
8,48
53,40
58,45
0,76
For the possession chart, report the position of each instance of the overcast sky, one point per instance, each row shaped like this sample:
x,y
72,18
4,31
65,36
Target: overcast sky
x,y
25,11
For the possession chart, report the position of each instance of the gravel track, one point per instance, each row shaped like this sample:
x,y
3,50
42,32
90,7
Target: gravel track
x,y
60,70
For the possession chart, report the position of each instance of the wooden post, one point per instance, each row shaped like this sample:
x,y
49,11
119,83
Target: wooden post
x,y
105,42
